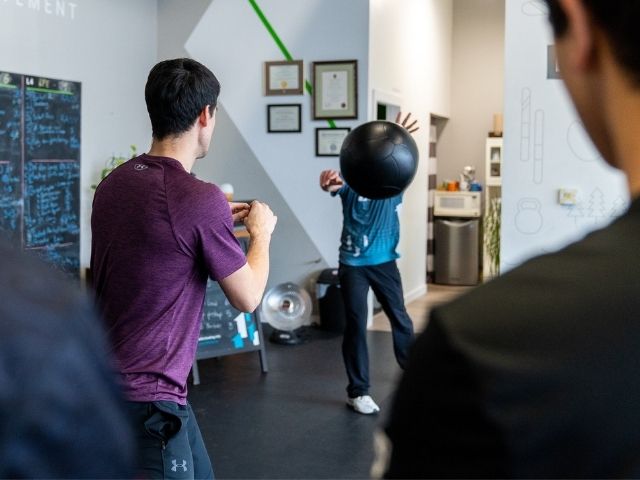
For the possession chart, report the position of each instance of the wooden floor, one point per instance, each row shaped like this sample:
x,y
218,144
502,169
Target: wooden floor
x,y
419,309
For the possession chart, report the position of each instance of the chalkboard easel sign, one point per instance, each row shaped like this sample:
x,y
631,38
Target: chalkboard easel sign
x,y
227,331
40,167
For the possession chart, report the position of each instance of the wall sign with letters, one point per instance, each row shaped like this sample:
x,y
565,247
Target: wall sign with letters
x,y
55,8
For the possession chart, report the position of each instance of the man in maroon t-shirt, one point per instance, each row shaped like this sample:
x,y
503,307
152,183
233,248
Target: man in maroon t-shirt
x,y
158,235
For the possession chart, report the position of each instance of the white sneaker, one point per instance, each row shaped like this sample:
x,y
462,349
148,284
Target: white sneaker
x,y
363,404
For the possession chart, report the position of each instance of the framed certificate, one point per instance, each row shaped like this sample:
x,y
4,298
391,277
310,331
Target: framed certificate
x,y
284,118
335,89
329,141
283,78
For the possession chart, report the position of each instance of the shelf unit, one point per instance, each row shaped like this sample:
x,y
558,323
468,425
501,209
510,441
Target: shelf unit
x,y
493,161
492,189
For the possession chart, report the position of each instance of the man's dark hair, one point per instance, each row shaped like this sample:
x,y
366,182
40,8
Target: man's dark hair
x,y
176,92
619,21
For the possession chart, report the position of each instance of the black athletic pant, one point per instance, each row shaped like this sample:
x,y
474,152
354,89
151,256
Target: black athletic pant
x,y
384,280
169,441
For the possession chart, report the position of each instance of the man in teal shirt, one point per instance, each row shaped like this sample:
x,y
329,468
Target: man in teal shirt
x,y
370,235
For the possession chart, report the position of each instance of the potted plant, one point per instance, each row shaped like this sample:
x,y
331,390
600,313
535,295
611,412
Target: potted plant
x,y
114,162
492,223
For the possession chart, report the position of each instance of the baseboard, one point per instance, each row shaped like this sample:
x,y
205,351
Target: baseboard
x,y
415,293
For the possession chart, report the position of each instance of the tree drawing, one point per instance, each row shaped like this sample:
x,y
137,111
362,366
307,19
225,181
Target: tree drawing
x,y
618,207
576,212
596,208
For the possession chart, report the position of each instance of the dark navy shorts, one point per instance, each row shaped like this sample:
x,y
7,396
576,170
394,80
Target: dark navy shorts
x,y
169,441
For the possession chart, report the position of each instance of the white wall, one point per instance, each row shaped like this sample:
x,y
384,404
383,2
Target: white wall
x,y
546,149
109,47
410,56
477,85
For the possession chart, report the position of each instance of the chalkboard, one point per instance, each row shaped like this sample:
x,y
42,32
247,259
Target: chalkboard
x,y
225,330
40,167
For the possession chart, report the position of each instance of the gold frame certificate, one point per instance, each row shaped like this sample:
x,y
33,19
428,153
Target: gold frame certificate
x,y
283,78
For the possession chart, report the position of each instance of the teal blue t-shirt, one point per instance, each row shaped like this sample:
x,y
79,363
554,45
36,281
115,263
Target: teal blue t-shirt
x,y
370,229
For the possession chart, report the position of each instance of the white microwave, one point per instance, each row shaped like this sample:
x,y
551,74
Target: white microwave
x,y
457,204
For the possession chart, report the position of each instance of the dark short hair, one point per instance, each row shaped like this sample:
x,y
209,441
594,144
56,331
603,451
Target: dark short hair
x,y
176,92
619,21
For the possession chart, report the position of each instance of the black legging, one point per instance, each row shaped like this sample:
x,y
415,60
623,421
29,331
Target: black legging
x,y
384,280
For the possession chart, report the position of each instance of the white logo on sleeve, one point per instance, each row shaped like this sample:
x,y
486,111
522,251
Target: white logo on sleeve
x,y
176,465
140,167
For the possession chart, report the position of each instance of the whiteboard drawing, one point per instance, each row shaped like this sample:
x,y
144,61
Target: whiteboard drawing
x,y
538,147
529,219
525,124
618,208
576,212
596,208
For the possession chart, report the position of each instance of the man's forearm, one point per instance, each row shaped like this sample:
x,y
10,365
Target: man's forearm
x,y
258,261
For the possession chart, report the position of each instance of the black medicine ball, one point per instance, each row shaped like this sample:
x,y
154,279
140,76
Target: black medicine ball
x,y
379,159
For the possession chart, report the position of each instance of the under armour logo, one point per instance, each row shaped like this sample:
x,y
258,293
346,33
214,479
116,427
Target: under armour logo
x,y
140,166
176,465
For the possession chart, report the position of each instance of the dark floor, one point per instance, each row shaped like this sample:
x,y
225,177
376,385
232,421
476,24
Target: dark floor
x,y
291,422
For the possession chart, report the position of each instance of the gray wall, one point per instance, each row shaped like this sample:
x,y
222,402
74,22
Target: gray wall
x,y
477,85
294,256
176,21
109,47
280,169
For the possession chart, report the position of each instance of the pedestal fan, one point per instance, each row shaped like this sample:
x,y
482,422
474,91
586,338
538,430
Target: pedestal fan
x,y
286,307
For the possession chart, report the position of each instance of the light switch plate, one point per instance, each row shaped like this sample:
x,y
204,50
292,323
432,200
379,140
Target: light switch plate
x,y
567,196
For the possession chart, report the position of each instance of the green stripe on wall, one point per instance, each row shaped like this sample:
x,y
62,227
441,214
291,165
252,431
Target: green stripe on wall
x,y
282,47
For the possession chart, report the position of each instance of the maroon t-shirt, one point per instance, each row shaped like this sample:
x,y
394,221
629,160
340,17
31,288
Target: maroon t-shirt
x,y
158,234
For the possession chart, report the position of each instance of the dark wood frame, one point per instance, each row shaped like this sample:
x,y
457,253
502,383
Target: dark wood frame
x,y
277,105
318,131
317,91
283,91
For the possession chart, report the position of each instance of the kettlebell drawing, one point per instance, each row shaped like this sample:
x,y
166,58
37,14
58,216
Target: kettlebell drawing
x,y
529,217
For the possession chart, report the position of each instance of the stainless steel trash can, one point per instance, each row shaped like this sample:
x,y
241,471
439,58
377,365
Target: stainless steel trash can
x,y
457,251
